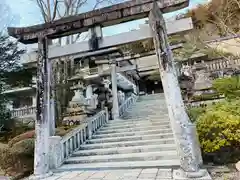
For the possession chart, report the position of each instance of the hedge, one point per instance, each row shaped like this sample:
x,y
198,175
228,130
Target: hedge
x,y
219,132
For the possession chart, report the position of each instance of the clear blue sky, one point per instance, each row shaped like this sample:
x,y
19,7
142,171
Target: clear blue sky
x,y
28,14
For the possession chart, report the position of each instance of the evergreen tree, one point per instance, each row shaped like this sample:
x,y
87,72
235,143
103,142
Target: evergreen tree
x,y
9,66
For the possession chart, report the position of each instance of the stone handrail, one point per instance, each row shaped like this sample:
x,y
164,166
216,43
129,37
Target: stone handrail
x,y
23,111
123,107
62,147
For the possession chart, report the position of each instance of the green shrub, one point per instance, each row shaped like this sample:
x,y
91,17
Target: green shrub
x,y
219,132
205,97
22,127
195,112
24,147
63,130
229,87
26,135
15,128
18,160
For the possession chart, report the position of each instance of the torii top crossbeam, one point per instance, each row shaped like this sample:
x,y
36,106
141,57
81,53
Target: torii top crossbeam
x,y
111,15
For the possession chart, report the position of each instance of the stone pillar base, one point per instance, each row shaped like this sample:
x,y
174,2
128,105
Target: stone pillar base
x,y
39,177
202,174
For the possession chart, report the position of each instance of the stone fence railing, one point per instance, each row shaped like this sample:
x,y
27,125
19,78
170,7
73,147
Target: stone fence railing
x,y
222,64
123,107
63,147
217,64
21,112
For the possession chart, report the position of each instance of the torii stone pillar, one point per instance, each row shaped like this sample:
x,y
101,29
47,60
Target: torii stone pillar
x,y
51,96
115,109
184,130
42,124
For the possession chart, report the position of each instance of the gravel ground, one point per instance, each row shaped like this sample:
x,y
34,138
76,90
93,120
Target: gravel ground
x,y
224,172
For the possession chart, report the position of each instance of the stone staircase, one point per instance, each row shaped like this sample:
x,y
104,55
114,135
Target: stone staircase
x,y
142,138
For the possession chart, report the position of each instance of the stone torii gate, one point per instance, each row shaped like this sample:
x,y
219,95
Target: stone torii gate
x,y
184,131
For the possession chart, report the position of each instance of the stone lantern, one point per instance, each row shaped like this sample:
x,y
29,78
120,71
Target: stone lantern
x,y
76,111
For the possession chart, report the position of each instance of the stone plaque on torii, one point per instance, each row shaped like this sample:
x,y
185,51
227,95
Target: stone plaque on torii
x,y
123,12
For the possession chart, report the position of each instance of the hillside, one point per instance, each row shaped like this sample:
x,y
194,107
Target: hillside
x,y
214,20
217,18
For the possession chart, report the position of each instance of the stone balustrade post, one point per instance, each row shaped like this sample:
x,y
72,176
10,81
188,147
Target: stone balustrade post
x,y
115,109
107,115
55,152
52,117
90,127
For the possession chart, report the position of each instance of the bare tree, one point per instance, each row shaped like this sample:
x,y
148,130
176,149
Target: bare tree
x,y
7,17
223,15
218,18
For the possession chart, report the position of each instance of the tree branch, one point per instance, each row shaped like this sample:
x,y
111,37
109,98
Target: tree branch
x,y
55,9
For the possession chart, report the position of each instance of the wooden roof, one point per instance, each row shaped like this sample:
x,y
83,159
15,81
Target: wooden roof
x,y
107,16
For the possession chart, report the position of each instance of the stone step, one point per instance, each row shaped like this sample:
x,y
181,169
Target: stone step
x,y
140,118
152,112
149,103
152,104
155,105
119,165
144,128
133,116
137,124
146,107
146,114
152,97
130,138
136,133
128,122
128,143
124,150
144,156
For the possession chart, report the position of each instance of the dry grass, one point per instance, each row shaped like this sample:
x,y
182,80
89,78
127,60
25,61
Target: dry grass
x,y
2,146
